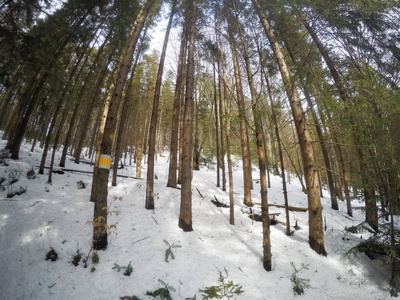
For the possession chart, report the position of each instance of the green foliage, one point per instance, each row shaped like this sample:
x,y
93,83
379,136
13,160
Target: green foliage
x,y
117,267
92,269
224,289
76,259
128,269
169,252
299,284
52,255
95,258
163,292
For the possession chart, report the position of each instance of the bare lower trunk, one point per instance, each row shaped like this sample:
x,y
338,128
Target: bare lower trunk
x,y
243,124
154,115
185,214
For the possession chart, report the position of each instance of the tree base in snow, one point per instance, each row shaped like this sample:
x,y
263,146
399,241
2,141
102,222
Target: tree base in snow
x,y
101,243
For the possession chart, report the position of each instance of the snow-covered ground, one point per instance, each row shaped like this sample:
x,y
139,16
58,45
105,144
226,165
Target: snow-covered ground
x,y
56,216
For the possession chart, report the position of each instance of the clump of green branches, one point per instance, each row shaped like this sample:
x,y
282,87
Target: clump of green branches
x,y
299,284
225,288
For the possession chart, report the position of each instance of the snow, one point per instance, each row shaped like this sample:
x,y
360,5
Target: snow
x,y
56,216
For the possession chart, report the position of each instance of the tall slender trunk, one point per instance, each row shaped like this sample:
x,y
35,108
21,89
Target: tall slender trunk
x,y
185,214
100,208
56,141
243,124
221,100
75,115
280,151
50,135
316,233
267,255
226,110
154,116
318,128
124,113
94,91
369,192
173,154
217,112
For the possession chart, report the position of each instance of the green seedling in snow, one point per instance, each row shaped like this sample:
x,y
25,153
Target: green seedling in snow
x,y
128,269
169,252
224,289
163,292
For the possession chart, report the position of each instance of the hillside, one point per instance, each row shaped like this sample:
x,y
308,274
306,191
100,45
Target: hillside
x,y
56,216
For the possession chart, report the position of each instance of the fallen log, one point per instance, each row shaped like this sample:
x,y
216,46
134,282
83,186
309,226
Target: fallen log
x,y
291,208
88,172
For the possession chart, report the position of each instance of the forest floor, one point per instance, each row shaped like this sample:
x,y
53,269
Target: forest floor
x,y
55,216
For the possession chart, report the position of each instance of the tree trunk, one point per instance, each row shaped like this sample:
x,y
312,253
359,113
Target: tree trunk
x,y
331,185
316,233
243,124
369,192
94,92
173,155
216,117
229,160
100,208
49,136
154,116
124,114
221,100
267,255
185,215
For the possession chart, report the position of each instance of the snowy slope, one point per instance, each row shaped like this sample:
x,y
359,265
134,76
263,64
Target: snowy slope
x,y
56,216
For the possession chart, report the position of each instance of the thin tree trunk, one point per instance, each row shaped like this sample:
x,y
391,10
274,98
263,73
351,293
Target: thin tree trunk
x,y
229,159
154,116
173,155
185,214
267,255
216,117
243,124
56,141
124,114
94,91
221,100
49,136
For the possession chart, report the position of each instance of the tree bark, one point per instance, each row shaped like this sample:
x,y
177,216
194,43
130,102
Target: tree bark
x,y
173,154
100,208
267,255
185,215
154,116
369,192
243,124
316,233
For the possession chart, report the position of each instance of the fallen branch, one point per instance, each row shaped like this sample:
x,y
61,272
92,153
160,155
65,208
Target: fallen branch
x,y
200,193
140,240
217,203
